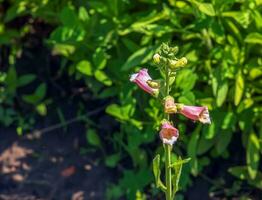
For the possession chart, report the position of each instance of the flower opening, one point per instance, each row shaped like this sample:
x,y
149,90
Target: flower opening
x,y
168,133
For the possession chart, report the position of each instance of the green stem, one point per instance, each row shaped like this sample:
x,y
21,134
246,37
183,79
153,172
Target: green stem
x,y
168,148
168,172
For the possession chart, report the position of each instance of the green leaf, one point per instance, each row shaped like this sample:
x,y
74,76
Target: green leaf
x,y
103,78
253,156
40,91
99,58
224,139
84,67
120,112
83,14
239,88
254,38
243,18
221,93
176,177
139,57
11,80
192,149
228,121
25,79
187,97
93,138
241,172
180,162
186,79
112,160
206,8
15,11
68,17
63,49
41,109
108,92
157,173
37,96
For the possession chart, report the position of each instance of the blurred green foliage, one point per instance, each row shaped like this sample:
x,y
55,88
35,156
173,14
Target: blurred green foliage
x,y
100,42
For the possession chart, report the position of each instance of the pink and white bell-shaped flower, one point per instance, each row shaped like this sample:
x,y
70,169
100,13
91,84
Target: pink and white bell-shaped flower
x,y
168,133
141,79
196,113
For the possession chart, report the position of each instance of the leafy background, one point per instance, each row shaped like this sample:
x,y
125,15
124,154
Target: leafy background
x,y
85,51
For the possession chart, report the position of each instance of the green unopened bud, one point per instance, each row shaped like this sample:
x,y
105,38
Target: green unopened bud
x,y
156,58
173,64
153,84
175,50
181,62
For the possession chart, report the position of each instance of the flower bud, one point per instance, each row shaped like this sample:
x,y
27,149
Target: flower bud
x,y
169,105
173,64
181,62
153,84
156,58
175,50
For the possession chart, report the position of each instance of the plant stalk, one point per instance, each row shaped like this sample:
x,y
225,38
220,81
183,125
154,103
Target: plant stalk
x,y
168,172
168,148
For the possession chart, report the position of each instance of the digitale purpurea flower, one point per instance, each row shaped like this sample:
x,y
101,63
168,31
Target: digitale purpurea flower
x,y
141,79
168,133
196,113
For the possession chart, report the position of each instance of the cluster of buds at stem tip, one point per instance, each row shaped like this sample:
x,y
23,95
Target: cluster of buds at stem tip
x,y
145,82
168,133
166,56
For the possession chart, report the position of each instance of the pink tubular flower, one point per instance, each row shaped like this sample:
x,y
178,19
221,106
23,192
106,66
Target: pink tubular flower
x,y
196,113
141,78
168,133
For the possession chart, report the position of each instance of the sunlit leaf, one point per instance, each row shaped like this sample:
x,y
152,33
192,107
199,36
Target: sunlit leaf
x,y
206,8
239,88
254,38
84,67
139,57
221,93
103,78
241,172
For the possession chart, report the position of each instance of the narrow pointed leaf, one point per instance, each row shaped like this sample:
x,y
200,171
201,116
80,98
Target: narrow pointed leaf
x,y
157,172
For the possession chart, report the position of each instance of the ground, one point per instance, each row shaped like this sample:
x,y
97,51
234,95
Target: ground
x,y
45,166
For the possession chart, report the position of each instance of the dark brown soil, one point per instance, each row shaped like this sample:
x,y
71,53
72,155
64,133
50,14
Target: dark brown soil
x,y
49,166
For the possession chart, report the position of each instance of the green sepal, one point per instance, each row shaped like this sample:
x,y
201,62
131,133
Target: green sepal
x,y
157,173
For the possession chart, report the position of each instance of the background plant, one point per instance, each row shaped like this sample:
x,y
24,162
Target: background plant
x,y
96,45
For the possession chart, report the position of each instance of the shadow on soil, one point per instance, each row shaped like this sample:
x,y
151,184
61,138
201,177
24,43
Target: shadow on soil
x,y
49,166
